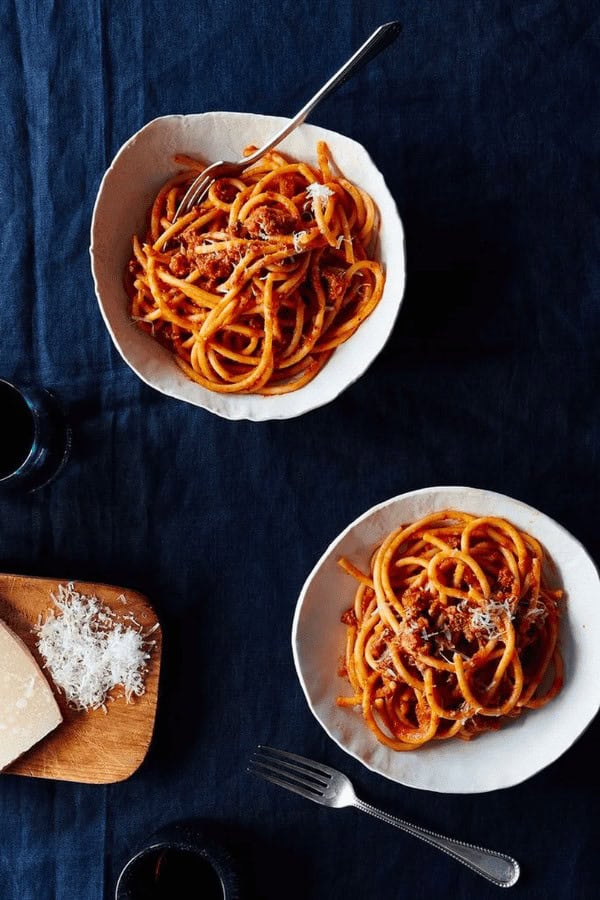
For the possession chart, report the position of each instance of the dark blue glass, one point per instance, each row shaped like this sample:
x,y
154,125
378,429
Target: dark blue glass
x,y
35,437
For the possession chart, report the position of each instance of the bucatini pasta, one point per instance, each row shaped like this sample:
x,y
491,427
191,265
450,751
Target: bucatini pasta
x,y
255,288
452,631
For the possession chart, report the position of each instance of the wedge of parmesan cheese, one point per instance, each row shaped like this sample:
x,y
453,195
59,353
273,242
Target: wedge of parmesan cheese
x,y
28,710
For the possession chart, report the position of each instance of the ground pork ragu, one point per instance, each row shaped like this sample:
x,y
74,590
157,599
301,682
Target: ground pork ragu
x,y
267,221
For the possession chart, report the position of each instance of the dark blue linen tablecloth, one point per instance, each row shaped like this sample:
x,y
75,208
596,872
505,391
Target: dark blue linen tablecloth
x,y
483,119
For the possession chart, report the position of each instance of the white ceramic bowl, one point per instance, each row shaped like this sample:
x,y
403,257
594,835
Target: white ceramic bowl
x,y
492,760
127,190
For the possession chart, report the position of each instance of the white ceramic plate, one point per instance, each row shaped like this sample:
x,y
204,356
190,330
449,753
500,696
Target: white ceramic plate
x,y
127,190
494,759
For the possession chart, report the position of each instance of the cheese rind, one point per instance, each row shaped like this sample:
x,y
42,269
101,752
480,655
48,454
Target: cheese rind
x,y
28,710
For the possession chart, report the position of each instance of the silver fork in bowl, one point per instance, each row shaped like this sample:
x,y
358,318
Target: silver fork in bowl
x,y
381,38
327,786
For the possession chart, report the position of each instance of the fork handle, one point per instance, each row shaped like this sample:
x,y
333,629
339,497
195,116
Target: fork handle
x,y
500,869
379,40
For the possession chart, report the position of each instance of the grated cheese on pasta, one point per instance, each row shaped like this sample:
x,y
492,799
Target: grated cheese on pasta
x,y
318,193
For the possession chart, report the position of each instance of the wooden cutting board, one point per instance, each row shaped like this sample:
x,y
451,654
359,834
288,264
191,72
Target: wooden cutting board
x,y
93,746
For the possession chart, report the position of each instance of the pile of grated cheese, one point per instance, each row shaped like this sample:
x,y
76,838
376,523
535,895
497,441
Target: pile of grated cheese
x,y
88,652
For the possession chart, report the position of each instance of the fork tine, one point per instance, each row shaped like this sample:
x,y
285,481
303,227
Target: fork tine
x,y
309,763
201,189
184,200
288,785
293,772
199,185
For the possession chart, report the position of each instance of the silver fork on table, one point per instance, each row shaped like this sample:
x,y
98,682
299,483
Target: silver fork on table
x,y
329,787
381,38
